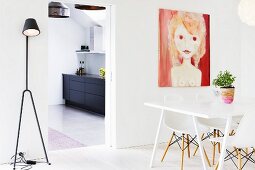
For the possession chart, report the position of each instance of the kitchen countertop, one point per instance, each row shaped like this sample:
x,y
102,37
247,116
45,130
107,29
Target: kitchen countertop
x,y
88,76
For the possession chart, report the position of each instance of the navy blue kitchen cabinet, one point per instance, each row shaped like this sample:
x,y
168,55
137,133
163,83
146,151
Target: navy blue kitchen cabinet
x,y
86,92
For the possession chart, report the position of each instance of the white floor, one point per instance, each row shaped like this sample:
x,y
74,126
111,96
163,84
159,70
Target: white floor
x,y
84,127
104,158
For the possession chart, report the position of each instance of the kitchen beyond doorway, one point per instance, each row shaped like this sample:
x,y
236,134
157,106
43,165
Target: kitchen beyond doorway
x,y
75,44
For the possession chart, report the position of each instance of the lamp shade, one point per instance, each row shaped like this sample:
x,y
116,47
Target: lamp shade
x,y
246,11
31,28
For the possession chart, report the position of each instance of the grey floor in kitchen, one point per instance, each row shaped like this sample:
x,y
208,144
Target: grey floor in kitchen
x,y
87,128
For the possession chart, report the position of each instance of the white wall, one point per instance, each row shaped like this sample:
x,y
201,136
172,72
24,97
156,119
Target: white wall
x,y
93,62
12,65
136,62
79,16
137,59
248,59
65,37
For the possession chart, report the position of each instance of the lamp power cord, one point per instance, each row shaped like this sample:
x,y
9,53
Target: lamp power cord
x,y
22,162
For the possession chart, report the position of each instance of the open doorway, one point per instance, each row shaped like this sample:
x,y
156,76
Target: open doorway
x,y
79,76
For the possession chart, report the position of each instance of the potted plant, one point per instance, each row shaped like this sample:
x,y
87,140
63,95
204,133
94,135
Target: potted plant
x,y
225,81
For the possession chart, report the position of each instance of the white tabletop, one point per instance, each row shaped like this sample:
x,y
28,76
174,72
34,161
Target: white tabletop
x,y
214,109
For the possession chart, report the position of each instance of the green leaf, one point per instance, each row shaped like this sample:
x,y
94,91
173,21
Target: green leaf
x,y
224,79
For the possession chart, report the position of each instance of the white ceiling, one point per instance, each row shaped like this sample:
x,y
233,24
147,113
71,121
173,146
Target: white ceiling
x,y
87,18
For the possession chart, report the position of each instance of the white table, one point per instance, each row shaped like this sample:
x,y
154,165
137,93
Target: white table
x,y
202,110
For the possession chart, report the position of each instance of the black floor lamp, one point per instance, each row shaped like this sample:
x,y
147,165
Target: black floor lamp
x,y
30,29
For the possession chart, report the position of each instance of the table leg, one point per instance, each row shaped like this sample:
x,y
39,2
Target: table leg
x,y
199,141
157,138
225,140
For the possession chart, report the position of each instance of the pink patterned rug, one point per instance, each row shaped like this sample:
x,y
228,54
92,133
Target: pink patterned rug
x,y
59,141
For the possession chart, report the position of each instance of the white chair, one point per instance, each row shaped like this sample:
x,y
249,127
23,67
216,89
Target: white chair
x,y
182,127
217,126
243,138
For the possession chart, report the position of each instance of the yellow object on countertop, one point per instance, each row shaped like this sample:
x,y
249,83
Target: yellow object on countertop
x,y
102,72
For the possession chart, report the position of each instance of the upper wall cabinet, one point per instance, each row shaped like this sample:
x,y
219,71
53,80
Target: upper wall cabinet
x,y
97,39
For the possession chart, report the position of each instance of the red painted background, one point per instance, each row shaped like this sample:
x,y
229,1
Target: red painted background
x,y
165,63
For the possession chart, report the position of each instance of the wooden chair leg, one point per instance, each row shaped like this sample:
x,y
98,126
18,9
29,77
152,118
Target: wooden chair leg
x,y
206,156
188,143
247,151
207,159
239,160
195,150
216,167
214,147
198,146
218,135
236,150
168,145
253,150
182,160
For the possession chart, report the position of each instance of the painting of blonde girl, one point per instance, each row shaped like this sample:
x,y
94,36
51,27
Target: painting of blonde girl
x,y
184,59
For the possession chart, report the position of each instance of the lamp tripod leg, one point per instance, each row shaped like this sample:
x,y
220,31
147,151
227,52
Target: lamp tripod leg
x,y
20,118
39,128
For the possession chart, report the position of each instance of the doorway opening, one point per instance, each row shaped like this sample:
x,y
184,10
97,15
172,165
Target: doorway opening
x,y
80,84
